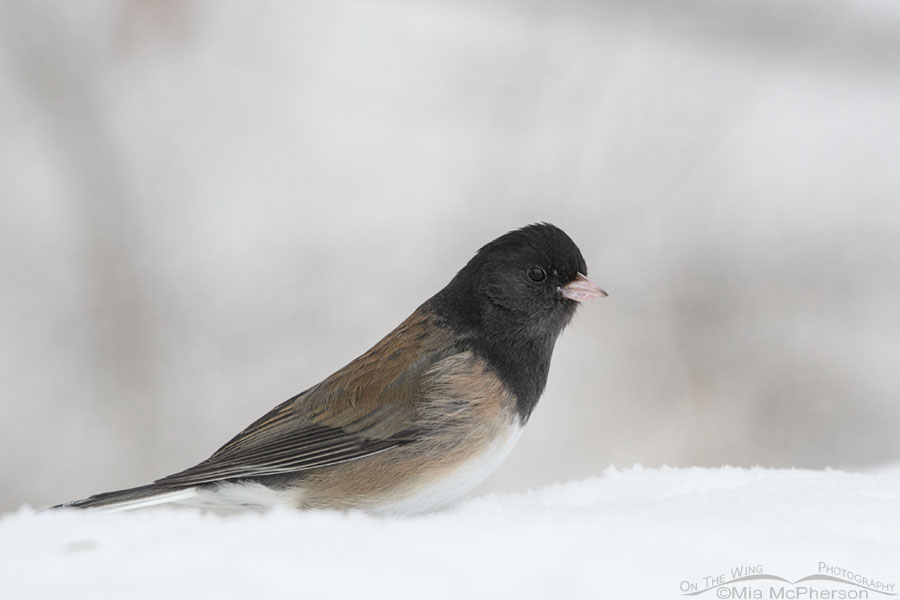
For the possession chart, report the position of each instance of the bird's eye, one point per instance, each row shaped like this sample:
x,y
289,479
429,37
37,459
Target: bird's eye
x,y
537,274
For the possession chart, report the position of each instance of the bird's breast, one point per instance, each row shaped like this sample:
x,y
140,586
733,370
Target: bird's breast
x,y
466,423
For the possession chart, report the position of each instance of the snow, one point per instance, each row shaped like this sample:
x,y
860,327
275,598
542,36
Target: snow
x,y
633,533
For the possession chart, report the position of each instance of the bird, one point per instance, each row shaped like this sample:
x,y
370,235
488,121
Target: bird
x,y
415,423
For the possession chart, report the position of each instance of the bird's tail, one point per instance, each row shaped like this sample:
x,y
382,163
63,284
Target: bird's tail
x,y
138,497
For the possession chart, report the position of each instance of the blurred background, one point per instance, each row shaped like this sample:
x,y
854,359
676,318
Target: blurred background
x,y
209,206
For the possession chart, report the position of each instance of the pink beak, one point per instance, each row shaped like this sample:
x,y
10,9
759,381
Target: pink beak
x,y
581,289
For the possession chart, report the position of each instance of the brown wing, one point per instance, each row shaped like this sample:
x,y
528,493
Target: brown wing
x,y
368,407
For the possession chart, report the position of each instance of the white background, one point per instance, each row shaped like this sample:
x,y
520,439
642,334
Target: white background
x,y
206,207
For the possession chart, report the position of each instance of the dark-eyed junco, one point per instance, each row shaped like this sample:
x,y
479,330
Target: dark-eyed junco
x,y
421,418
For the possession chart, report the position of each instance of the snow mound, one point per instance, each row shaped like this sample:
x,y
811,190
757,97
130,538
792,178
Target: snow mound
x,y
635,533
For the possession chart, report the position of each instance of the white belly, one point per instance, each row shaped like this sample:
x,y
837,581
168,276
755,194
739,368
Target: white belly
x,y
455,484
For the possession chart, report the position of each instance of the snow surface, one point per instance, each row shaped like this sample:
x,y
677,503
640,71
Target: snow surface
x,y
635,533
